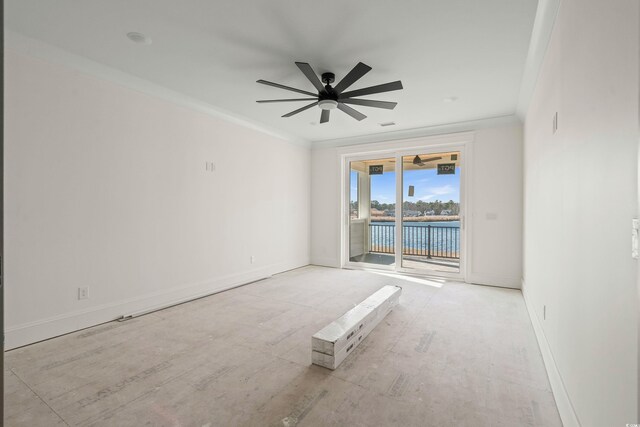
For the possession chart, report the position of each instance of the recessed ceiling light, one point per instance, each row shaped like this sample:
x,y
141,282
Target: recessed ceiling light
x,y
388,124
450,99
139,38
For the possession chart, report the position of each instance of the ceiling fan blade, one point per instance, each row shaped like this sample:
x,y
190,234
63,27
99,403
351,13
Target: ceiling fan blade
x,y
354,75
286,100
311,75
386,87
370,103
350,111
421,162
264,82
299,110
324,117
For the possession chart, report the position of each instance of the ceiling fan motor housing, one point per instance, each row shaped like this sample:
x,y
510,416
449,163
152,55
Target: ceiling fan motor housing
x,y
328,93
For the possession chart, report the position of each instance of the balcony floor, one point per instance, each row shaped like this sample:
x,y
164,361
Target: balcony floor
x,y
442,265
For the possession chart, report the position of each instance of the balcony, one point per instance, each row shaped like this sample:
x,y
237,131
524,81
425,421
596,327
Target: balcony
x,y
424,246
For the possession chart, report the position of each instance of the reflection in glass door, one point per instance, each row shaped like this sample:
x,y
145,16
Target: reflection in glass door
x,y
431,212
372,211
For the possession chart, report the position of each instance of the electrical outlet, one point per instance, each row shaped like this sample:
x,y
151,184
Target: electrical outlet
x,y
252,259
83,293
544,312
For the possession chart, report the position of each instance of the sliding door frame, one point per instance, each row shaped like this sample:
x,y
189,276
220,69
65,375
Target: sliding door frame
x,y
462,142
462,149
346,235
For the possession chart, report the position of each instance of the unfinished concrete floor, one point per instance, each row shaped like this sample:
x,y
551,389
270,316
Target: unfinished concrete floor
x,y
449,354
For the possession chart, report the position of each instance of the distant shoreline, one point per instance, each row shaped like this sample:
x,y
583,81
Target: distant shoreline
x,y
432,218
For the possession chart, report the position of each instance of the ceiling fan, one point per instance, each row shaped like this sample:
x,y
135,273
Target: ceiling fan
x,y
422,162
329,98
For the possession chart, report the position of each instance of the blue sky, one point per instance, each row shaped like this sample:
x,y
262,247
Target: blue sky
x,y
429,186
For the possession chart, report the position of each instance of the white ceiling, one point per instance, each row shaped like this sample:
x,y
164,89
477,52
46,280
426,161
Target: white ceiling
x,y
214,51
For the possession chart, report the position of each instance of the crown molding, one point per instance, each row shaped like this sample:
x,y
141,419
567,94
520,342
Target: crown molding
x,y
442,129
540,36
543,26
35,48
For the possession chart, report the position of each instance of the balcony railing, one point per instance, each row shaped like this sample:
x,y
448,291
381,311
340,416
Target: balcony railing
x,y
431,241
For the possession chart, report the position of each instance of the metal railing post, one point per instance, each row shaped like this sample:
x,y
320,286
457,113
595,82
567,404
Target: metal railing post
x,y
428,241
371,238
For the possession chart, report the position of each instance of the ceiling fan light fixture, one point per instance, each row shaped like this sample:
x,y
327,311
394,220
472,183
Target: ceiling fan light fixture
x,y
328,104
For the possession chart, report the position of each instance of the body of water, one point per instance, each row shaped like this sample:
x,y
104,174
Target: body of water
x,y
441,239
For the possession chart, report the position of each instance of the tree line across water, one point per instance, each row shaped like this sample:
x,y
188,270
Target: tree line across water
x,y
436,207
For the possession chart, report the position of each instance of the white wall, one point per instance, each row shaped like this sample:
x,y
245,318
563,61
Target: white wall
x,y
495,178
106,187
495,256
325,207
580,196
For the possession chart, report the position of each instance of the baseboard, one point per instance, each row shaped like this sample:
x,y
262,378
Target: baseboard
x,y
31,332
563,402
491,280
325,262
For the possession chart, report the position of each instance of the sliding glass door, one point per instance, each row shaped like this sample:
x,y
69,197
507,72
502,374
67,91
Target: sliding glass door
x,y
431,212
405,212
372,211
